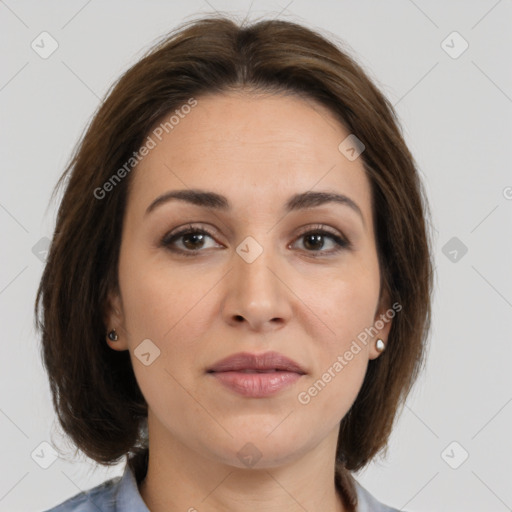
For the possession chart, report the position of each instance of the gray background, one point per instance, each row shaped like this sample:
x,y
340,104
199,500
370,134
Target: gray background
x,y
456,115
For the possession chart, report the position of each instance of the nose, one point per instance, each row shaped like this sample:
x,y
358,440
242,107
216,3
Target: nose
x,y
257,294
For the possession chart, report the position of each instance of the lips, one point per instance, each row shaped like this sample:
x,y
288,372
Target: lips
x,y
268,362
256,375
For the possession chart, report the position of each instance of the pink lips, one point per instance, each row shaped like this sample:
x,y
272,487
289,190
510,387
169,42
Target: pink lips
x,y
256,375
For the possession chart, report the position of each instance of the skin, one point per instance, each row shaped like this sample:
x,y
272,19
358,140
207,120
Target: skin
x,y
257,150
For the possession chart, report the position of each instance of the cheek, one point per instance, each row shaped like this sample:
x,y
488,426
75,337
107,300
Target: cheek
x,y
346,304
340,363
339,314
170,309
160,302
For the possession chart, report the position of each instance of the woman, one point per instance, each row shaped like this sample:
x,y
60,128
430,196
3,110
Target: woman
x,y
237,294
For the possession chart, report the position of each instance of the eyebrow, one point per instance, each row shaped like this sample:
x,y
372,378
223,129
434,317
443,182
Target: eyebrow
x,y
214,201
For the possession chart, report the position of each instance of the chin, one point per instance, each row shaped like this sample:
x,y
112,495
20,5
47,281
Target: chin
x,y
256,449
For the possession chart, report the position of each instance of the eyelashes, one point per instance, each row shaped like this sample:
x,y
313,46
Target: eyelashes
x,y
191,235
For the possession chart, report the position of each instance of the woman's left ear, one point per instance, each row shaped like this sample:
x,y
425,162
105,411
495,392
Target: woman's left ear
x,y
115,334
382,324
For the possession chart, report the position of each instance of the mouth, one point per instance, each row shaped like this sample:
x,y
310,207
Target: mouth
x,y
256,376
257,363
247,370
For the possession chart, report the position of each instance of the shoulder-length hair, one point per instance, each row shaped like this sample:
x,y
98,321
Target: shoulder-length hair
x,y
94,390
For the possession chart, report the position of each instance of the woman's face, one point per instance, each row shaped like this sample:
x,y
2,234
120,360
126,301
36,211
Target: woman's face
x,y
260,277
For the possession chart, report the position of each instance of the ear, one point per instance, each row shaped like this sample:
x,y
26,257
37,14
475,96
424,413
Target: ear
x,y
114,319
382,323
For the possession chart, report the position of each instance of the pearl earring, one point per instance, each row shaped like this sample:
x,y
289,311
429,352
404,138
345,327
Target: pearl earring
x,y
380,345
112,335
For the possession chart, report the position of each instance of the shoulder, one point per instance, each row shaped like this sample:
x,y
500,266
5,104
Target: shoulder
x,y
368,503
119,494
102,497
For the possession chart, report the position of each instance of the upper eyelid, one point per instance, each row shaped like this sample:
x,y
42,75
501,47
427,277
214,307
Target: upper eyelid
x,y
304,230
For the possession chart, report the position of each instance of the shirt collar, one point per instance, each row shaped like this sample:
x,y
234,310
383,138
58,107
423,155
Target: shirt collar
x,y
128,498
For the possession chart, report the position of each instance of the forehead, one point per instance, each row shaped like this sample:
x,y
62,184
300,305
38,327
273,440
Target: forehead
x,y
257,149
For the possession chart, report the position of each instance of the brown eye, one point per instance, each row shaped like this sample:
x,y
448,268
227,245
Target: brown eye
x,y
314,241
190,241
187,241
193,240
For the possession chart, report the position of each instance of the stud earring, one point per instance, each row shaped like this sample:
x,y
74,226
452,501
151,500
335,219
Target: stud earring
x,y
380,345
112,335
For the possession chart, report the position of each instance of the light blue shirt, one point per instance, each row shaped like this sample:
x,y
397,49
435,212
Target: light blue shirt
x,y
121,494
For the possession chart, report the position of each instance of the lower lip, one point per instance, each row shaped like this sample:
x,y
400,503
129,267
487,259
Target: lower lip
x,y
257,385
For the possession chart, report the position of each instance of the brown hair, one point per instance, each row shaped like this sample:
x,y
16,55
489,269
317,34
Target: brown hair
x,y
94,390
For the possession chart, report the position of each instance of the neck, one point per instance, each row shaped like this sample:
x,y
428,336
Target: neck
x,y
180,478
